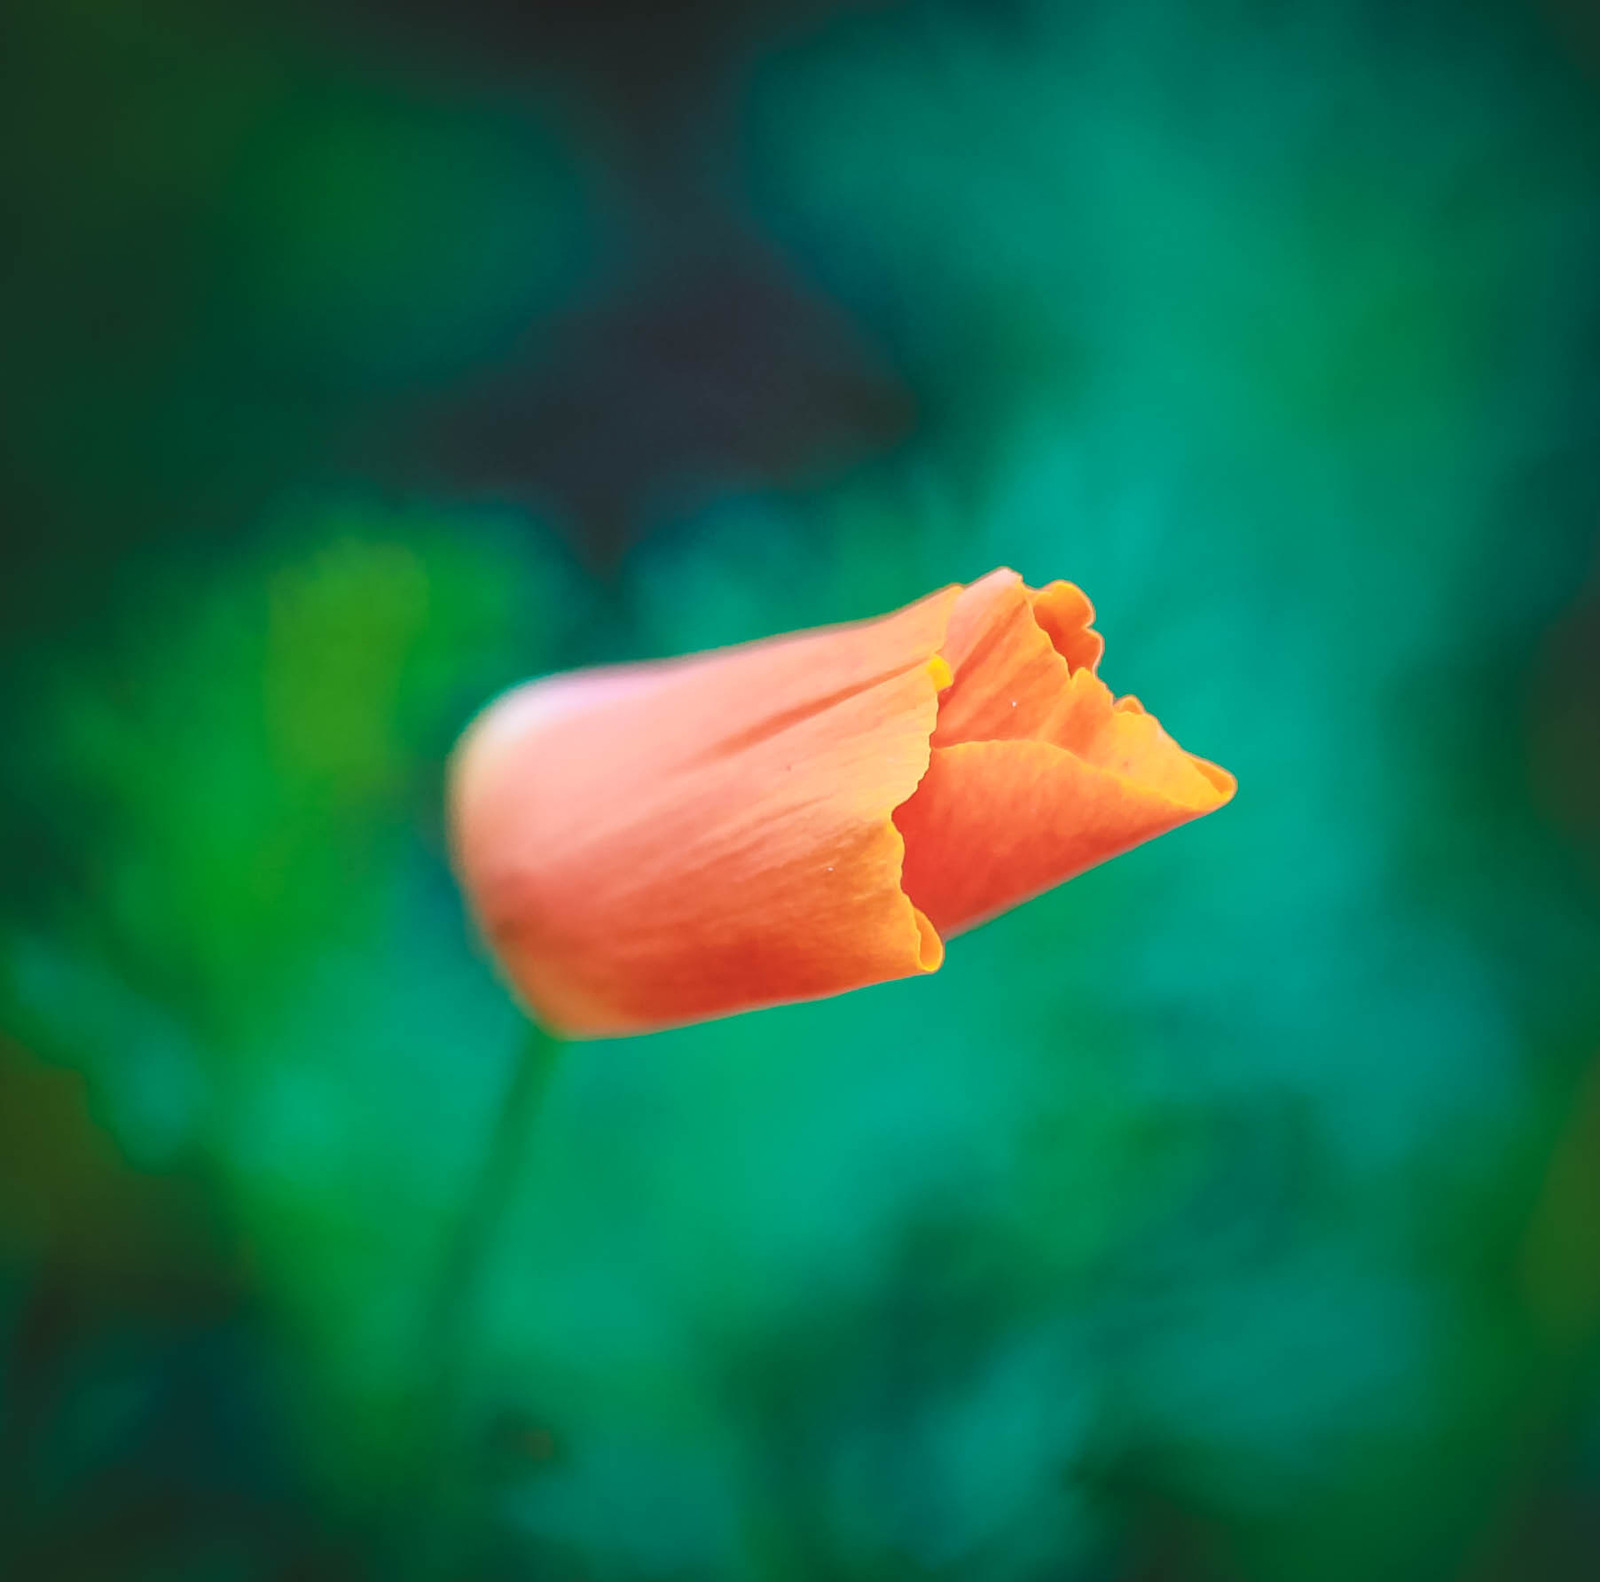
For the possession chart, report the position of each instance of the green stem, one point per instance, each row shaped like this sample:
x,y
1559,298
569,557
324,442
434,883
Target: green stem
x,y
442,1489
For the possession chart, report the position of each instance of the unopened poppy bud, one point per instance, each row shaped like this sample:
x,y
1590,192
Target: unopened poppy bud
x,y
655,844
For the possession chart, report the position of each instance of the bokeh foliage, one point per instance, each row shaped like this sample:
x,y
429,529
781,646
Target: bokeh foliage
x,y
1231,1213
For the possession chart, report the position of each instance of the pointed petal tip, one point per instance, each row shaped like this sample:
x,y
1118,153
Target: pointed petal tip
x,y
1221,781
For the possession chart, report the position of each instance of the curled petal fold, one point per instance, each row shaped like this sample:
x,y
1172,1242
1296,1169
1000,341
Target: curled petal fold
x,y
1037,772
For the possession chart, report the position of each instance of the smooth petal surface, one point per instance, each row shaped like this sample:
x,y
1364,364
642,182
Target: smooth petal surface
x,y
657,844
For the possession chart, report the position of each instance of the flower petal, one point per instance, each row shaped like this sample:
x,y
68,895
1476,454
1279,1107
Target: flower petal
x,y
1038,772
1008,677
996,822
1017,654
1064,612
657,844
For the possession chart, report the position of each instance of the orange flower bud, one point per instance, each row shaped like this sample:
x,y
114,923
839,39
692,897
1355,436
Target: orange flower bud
x,y
655,844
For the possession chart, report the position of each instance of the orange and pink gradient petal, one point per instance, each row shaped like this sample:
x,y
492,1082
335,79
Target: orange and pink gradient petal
x,y
652,845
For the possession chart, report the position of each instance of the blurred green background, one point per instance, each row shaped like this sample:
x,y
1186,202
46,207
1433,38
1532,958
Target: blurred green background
x,y
1231,1213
